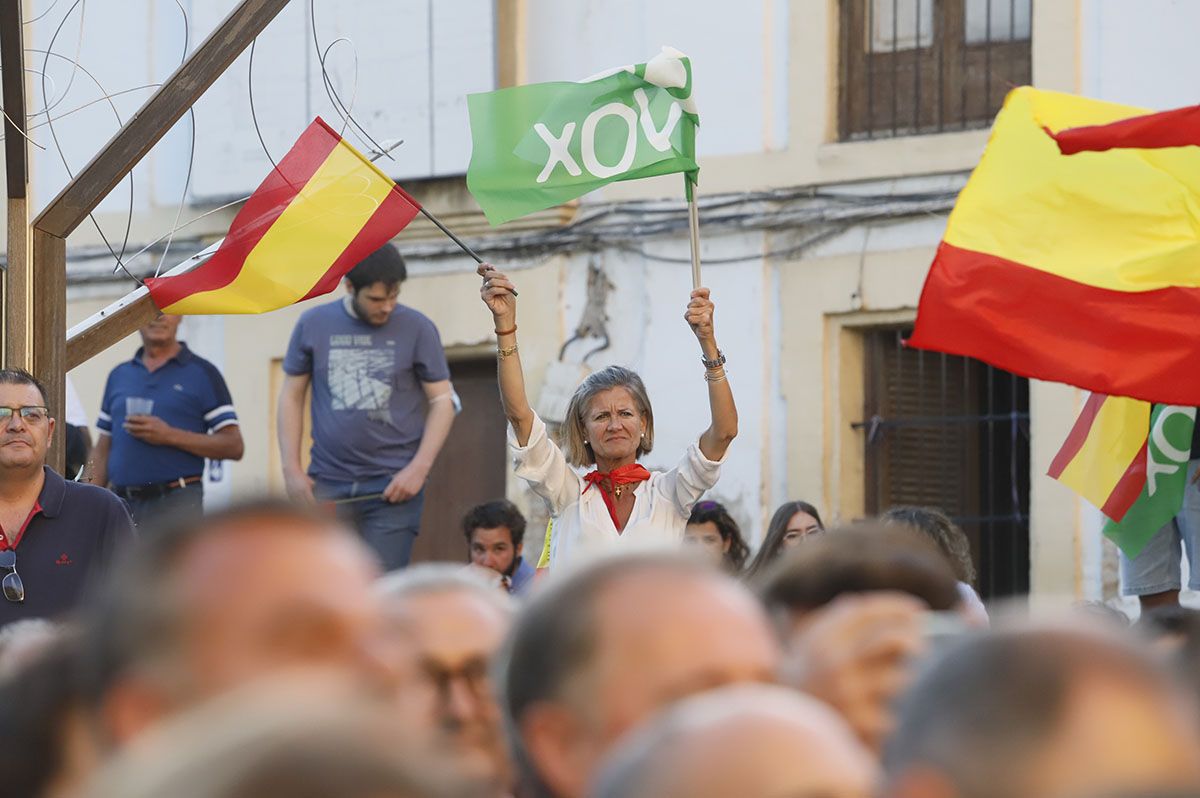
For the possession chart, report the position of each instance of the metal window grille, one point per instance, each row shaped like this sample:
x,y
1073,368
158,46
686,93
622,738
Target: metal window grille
x,y
953,433
925,66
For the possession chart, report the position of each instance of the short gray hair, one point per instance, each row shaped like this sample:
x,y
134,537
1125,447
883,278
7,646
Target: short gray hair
x,y
573,434
24,638
431,578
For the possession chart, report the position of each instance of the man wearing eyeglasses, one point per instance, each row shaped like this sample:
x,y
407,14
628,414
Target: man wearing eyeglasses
x,y
55,536
453,622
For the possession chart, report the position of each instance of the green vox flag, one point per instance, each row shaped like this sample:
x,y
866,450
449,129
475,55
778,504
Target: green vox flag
x,y
1167,450
537,146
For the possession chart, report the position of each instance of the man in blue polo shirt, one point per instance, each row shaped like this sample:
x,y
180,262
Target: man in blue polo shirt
x,y
382,406
163,414
56,537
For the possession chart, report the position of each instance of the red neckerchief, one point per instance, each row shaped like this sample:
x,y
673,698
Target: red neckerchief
x,y
624,475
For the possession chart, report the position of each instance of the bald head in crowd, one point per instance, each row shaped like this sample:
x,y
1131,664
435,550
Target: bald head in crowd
x,y
601,650
1042,712
210,604
749,741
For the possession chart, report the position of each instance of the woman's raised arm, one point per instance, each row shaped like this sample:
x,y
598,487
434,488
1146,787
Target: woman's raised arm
x,y
724,427
500,296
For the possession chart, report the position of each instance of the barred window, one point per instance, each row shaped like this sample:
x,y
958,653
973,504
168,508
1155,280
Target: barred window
x,y
952,433
927,66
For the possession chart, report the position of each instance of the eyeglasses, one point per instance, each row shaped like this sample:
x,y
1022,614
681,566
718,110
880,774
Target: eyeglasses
x,y
34,414
472,674
14,588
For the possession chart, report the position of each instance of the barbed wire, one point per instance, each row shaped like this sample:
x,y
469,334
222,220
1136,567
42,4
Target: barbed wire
x,y
625,226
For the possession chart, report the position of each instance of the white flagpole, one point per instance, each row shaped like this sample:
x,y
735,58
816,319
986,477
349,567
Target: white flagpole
x,y
694,224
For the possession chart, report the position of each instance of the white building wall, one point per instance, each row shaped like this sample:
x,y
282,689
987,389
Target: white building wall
x,y
765,79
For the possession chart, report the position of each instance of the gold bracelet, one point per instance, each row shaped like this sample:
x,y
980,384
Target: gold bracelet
x,y
507,351
712,376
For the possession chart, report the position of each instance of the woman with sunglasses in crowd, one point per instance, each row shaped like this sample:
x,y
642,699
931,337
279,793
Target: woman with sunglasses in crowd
x,y
609,425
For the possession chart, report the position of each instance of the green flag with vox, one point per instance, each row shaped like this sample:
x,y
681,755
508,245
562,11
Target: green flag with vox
x,y
1167,449
537,146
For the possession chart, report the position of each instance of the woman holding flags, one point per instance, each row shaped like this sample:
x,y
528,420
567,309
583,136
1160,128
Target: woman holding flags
x,y
619,504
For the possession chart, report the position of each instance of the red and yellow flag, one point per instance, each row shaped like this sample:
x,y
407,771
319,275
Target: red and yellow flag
x,y
1081,268
1104,457
318,214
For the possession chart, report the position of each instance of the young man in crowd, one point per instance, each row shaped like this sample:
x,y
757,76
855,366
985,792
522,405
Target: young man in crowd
x,y
495,534
56,536
163,414
382,406
600,650
852,611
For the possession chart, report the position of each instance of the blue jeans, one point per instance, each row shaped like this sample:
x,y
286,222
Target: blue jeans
x,y
389,529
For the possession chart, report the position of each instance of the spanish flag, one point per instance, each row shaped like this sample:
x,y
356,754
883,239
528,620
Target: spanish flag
x,y
322,210
1079,268
1104,456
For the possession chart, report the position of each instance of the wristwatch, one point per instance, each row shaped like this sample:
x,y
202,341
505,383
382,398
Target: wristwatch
x,y
715,363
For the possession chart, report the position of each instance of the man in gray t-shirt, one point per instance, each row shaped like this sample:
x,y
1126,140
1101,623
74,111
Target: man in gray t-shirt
x,y
381,406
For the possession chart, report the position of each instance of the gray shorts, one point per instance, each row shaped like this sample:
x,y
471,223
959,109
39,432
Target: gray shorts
x,y
1156,569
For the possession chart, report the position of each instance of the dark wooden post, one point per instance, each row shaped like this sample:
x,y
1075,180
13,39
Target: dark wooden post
x,y
17,349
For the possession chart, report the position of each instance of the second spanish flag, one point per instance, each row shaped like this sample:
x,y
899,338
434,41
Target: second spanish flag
x,y
322,210
1081,268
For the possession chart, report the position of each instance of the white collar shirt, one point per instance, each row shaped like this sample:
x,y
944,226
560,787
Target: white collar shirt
x,y
582,526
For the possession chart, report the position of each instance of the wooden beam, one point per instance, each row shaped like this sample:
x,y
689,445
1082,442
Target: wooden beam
x,y
115,322
18,289
49,325
101,330
12,59
157,116
17,349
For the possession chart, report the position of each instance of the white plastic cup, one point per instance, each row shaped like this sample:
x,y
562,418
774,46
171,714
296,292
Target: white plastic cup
x,y
138,406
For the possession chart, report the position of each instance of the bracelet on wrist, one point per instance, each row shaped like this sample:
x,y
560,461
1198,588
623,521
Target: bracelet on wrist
x,y
715,363
714,375
507,351
507,332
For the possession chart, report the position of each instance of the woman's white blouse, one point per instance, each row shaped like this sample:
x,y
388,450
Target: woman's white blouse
x,y
583,529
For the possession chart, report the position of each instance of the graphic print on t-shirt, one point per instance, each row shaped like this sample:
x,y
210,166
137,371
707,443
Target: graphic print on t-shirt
x,y
360,377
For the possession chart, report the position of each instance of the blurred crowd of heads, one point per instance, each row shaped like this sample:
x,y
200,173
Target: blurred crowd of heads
x,y
257,652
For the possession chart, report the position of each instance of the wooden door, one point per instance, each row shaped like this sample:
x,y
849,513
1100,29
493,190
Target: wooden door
x,y
471,468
